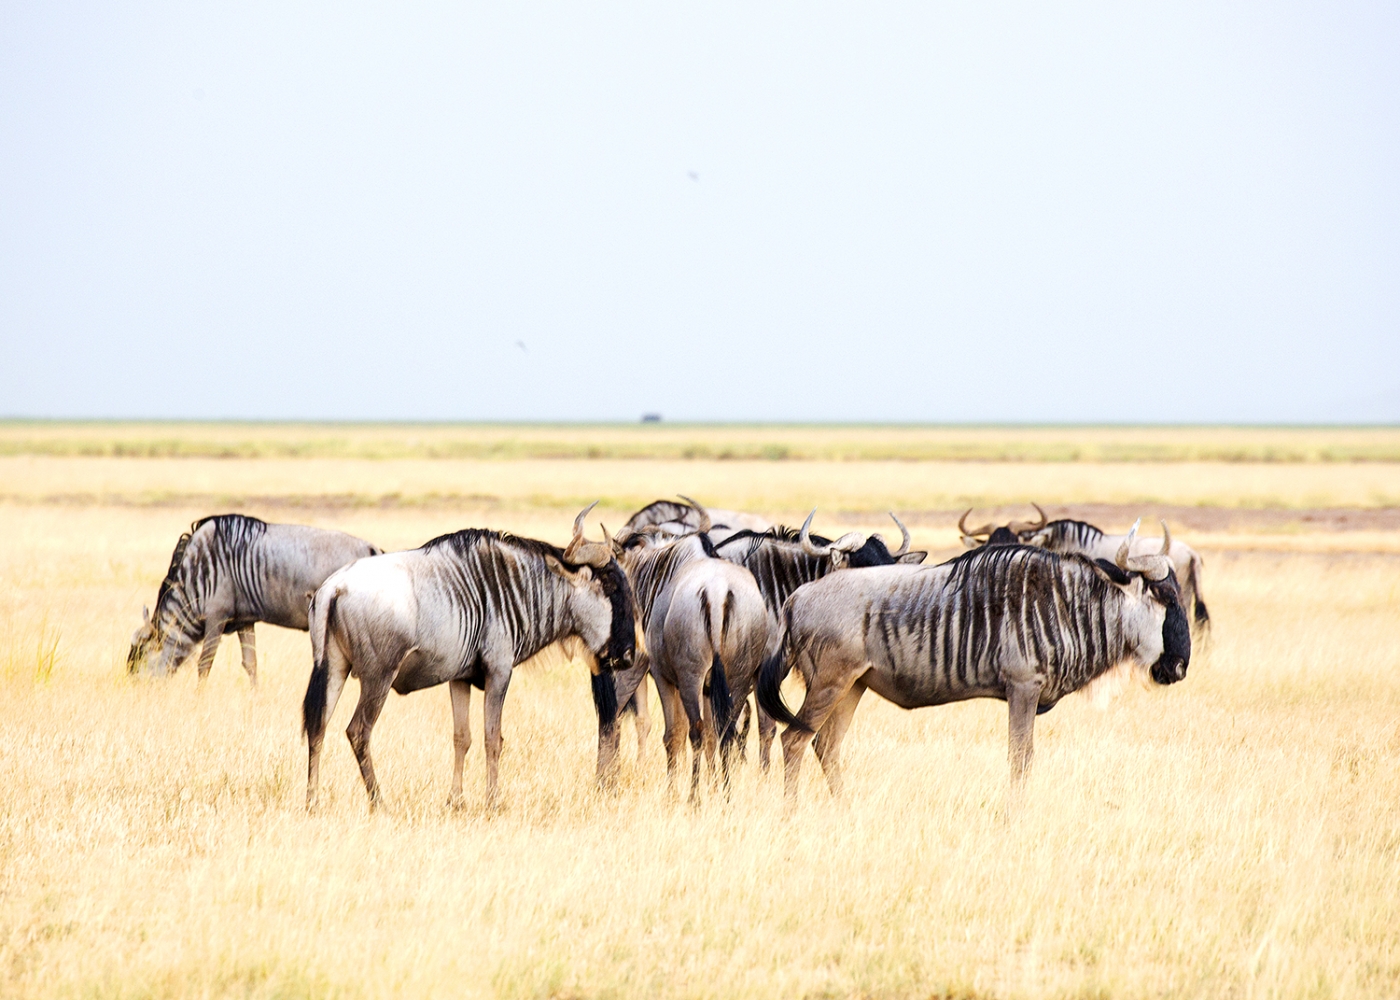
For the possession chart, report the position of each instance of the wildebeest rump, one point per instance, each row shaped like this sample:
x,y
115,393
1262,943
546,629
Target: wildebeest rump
x,y
704,626
783,559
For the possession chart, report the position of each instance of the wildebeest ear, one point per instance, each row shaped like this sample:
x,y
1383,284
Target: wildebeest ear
x,y
582,576
912,558
1112,572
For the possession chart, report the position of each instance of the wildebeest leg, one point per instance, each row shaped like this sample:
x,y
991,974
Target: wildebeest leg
x,y
692,697
248,646
672,735
497,681
1022,698
767,729
373,692
824,692
828,747
643,720
627,684
213,632
461,737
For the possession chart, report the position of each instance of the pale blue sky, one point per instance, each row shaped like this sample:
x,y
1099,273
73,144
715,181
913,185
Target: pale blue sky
x,y
924,212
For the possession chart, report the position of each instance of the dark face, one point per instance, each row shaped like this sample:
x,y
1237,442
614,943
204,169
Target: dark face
x,y
1176,633
622,637
873,553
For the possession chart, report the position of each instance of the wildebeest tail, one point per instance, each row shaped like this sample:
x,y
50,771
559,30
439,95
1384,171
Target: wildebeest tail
x,y
313,706
769,690
605,699
721,701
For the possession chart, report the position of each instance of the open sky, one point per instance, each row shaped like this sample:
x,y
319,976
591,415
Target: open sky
x,y
927,211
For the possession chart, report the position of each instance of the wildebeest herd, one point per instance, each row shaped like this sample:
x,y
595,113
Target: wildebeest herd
x,y
713,606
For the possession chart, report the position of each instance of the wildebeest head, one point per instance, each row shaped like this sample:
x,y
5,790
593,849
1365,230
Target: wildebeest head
x,y
144,641
856,549
593,571
1014,533
1169,652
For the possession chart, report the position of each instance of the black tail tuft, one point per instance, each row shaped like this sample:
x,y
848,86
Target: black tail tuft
x,y
721,701
313,706
605,700
770,697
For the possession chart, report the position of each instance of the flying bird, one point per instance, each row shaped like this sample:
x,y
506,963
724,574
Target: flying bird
x,y
694,176
521,344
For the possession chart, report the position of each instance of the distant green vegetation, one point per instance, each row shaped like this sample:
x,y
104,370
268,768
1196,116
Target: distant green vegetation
x,y
722,442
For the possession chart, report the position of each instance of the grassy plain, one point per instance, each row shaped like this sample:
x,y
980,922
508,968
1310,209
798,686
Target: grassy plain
x,y
1237,835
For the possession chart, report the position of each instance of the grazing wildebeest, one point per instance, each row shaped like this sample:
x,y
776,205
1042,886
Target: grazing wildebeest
x,y
675,519
704,627
783,559
228,572
462,610
1065,535
1010,622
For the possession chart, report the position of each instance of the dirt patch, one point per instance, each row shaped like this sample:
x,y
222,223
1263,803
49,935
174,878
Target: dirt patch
x,y
1120,517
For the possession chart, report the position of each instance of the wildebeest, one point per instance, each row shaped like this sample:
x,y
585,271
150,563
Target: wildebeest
x,y
463,610
228,572
704,627
1065,535
990,534
1010,622
783,559
676,519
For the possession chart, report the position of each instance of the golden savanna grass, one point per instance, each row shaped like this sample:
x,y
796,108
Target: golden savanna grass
x,y
1237,835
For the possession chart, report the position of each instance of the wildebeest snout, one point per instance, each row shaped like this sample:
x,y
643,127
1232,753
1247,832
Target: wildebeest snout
x,y
1169,669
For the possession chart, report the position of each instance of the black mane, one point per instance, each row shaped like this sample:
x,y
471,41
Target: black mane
x,y
873,553
777,533
622,635
240,524
464,541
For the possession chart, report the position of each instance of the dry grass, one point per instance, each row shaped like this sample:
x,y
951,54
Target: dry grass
x,y
787,489
1235,836
725,442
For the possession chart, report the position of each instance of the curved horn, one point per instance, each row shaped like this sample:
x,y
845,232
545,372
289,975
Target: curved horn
x,y
1121,559
812,550
580,551
1159,564
705,524
1023,527
578,521
986,529
904,545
